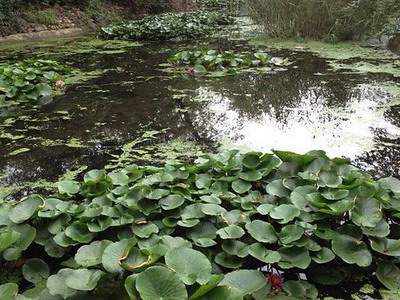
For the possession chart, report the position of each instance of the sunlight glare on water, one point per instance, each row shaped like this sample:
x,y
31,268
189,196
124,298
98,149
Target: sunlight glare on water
x,y
348,130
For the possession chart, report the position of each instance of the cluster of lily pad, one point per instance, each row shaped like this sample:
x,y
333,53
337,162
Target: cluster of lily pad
x,y
218,4
220,228
168,26
29,80
216,62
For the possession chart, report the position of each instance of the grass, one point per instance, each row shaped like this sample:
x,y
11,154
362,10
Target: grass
x,y
44,17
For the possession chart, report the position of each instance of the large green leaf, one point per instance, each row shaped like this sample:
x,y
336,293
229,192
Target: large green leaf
x,y
172,202
8,291
215,279
262,231
223,292
190,265
258,251
246,281
386,246
113,254
351,250
284,213
366,212
231,232
70,187
35,270
160,283
57,284
389,275
294,257
290,233
91,255
79,232
276,188
25,209
83,279
145,230
240,186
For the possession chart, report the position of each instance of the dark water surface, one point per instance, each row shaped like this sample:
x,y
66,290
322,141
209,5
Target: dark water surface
x,y
306,106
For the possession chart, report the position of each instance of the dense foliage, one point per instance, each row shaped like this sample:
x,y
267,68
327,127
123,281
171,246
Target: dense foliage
x,y
29,80
341,19
227,227
168,26
217,62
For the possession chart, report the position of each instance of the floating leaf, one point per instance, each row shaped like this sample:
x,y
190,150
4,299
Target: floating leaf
x,y
241,186
351,250
262,231
294,257
68,187
190,265
231,232
285,213
26,209
246,281
389,275
160,283
83,279
91,255
258,251
35,270
8,291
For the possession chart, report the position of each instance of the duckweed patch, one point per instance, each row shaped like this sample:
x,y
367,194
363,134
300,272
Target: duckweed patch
x,y
243,221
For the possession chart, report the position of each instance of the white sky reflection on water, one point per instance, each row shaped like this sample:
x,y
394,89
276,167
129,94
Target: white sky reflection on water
x,y
340,131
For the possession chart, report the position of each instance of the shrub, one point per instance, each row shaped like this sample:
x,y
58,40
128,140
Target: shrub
x,y
226,227
29,80
168,26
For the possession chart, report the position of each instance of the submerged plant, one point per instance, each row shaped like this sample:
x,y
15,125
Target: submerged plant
x,y
230,226
218,63
30,80
168,26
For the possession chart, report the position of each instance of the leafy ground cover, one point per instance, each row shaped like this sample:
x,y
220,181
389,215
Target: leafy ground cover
x,y
30,80
168,26
216,63
229,226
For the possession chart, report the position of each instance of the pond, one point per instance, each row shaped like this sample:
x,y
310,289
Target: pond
x,y
128,109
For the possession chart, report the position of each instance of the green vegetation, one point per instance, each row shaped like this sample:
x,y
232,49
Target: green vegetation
x,y
217,63
204,230
168,26
45,17
333,20
29,80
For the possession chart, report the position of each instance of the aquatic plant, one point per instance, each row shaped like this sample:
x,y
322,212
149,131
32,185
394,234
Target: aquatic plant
x,y
168,26
229,226
219,63
30,80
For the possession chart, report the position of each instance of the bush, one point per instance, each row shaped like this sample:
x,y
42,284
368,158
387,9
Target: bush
x,y
168,26
227,227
